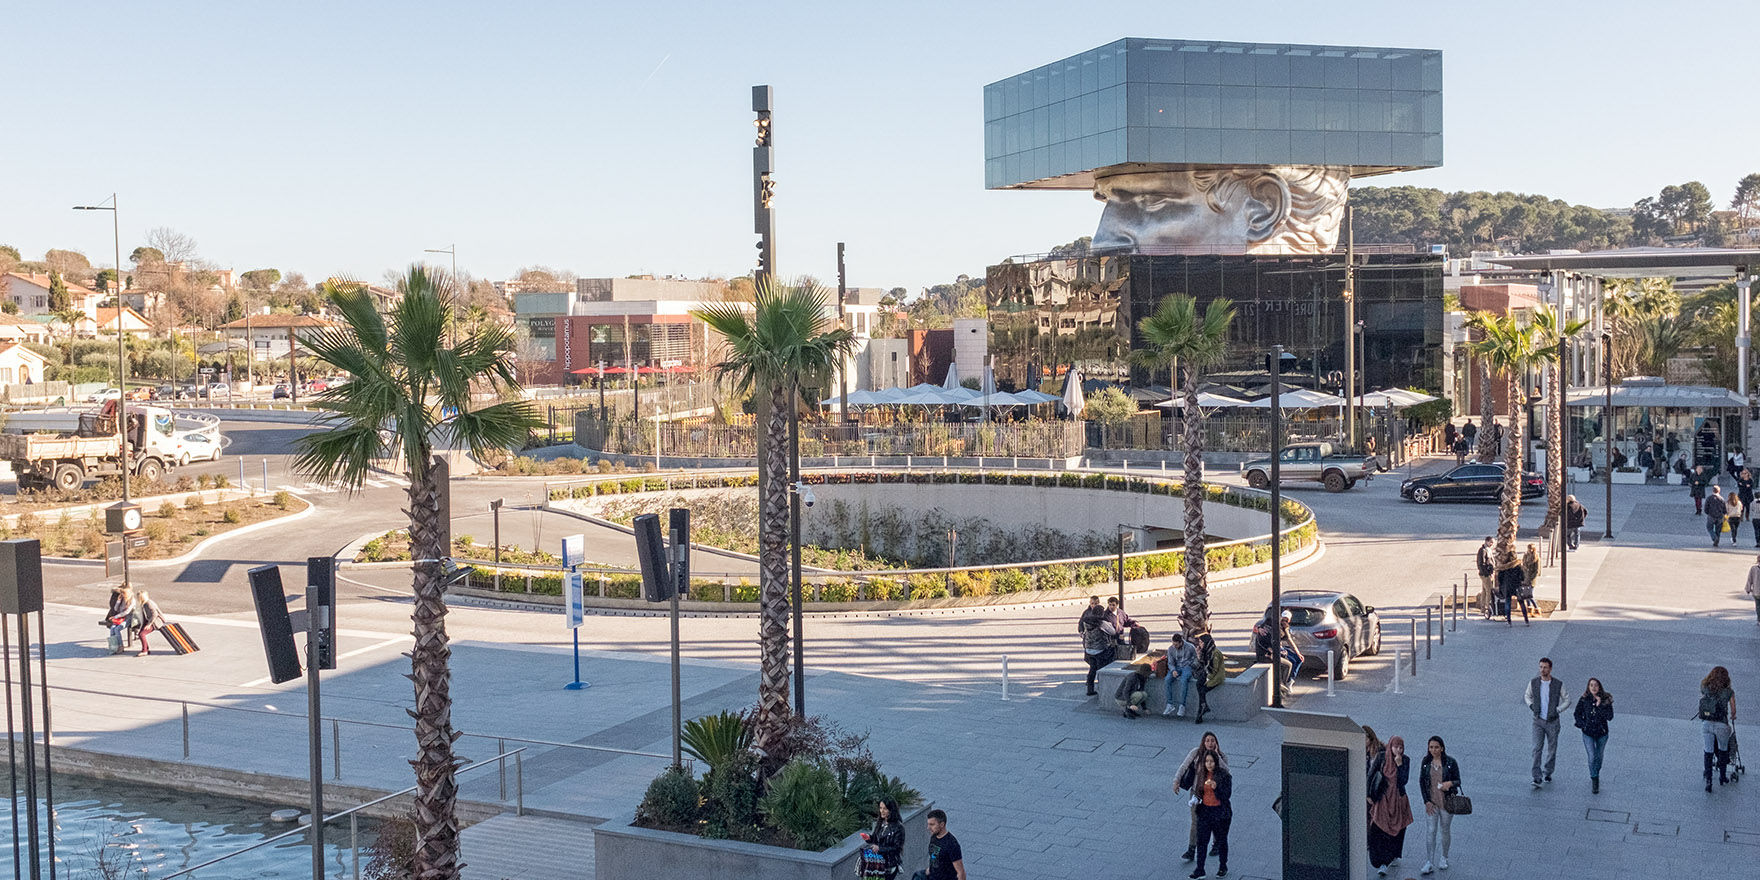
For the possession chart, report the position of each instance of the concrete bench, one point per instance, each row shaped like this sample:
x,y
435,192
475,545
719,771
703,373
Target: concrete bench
x,y
1240,698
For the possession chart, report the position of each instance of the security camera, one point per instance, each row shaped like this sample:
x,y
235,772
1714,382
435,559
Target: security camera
x,y
806,493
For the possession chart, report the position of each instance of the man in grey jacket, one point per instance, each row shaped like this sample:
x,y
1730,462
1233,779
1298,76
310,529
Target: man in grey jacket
x,y
1547,699
1182,664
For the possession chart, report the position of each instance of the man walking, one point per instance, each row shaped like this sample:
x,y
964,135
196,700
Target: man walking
x,y
946,862
1547,699
1574,515
1753,588
1487,567
1715,511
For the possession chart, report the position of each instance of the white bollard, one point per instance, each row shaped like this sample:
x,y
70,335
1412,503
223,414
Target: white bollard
x,y
1399,657
1005,678
1330,677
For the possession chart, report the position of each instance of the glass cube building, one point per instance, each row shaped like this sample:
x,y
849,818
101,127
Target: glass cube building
x,y
1184,103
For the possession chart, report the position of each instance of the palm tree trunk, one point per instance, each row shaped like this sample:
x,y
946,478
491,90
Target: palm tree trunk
x,y
771,720
1554,453
1510,504
1487,450
436,799
1194,611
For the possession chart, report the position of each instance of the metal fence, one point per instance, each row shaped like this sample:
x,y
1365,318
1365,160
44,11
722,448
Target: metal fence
x,y
1032,439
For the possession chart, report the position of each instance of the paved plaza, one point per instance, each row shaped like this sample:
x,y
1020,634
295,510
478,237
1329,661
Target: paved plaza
x,y
1040,786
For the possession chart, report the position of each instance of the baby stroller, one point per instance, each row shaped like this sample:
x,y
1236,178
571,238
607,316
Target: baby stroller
x,y
1735,757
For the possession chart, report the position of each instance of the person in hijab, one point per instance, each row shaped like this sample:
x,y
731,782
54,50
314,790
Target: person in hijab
x,y
1389,809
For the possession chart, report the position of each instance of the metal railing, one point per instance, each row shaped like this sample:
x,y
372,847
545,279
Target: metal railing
x,y
1036,439
354,826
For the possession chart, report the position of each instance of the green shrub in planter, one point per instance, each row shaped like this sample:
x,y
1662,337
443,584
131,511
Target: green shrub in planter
x,y
706,591
928,586
1089,575
1219,558
972,583
1055,577
806,803
884,590
730,800
1137,568
672,800
716,740
1165,564
1011,580
1243,555
837,591
624,586
745,591
544,584
1262,553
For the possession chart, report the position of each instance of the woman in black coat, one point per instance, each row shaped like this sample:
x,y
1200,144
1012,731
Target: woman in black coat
x,y
1389,809
1212,787
887,838
1594,711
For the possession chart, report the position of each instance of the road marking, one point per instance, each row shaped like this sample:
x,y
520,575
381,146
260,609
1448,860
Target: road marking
x,y
354,653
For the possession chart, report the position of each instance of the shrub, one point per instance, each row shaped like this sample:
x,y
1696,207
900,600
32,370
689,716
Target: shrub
x,y
283,499
673,800
972,583
1262,553
928,586
730,800
193,502
91,542
884,590
203,481
1165,564
1244,555
1137,568
183,484
167,510
1089,575
231,516
806,803
221,482
1055,577
392,854
28,523
837,591
717,739
157,531
1011,580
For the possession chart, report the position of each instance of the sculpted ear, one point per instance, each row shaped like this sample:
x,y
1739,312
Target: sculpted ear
x,y
1267,206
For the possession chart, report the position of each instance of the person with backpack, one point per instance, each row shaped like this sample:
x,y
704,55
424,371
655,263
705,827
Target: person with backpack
x,y
1594,711
1717,711
1099,640
1574,515
1208,744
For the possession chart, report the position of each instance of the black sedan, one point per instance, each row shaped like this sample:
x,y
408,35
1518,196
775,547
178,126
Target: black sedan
x,y
1469,482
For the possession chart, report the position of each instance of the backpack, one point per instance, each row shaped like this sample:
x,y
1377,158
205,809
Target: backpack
x,y
1713,708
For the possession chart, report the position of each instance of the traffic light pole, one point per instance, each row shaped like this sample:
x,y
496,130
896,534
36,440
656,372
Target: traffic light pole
x,y
763,186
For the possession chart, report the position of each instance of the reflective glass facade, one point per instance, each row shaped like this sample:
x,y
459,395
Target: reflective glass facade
x,y
1188,102
1052,313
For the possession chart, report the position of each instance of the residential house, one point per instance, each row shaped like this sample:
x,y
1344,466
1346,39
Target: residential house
x,y
108,320
271,336
16,329
20,365
30,292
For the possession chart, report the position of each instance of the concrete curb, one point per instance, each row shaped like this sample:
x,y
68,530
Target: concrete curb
x,y
195,552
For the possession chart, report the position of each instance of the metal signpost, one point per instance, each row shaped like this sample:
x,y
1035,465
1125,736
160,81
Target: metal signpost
x,y
1274,364
574,555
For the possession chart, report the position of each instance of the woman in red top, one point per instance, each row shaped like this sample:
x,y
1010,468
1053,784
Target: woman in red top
x,y
1211,786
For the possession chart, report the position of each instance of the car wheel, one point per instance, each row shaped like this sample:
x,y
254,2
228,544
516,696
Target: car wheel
x,y
1374,646
1422,495
1351,485
1335,482
1258,480
69,477
1341,665
183,460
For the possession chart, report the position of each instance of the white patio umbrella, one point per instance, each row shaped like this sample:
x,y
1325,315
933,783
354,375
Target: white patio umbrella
x,y
856,398
1073,401
1298,398
1206,400
952,377
997,398
1033,395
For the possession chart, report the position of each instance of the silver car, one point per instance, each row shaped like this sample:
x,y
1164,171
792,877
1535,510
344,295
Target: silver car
x,y
1322,621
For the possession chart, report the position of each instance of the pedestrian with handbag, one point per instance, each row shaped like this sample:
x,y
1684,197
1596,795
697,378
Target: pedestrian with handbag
x,y
883,848
1207,745
1734,512
1390,811
1594,711
1439,780
1099,640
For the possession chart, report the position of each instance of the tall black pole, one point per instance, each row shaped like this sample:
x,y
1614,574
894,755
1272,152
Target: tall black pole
x,y
11,749
1607,427
49,723
1121,537
1350,336
794,538
842,360
30,744
1555,449
315,737
680,522
764,185
1276,621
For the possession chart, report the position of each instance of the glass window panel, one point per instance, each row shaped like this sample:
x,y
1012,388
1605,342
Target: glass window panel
x,y
1112,108
1273,147
1237,70
1307,70
1432,149
1203,68
1054,84
1374,146
1041,88
1271,70
1055,125
1091,151
1237,105
1402,111
1112,147
1072,119
1307,147
1271,107
1041,164
1341,148
1090,113
1162,108
1090,72
1369,110
1341,73
1432,78
992,173
1199,109
1013,165
1406,149
1011,140
1304,109
1374,73
992,138
1111,67
1137,145
1163,65
1204,145
1240,146
992,103
1430,119
1407,72
1335,108
1167,145
1072,78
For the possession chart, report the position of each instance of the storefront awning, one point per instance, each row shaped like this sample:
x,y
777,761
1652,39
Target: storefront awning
x,y
1685,396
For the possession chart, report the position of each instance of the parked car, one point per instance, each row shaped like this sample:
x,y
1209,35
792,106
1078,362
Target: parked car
x,y
1322,621
188,392
107,394
279,392
1469,482
216,389
165,392
1310,463
199,446
141,393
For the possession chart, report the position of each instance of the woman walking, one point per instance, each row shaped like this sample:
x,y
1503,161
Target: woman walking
x,y
117,617
1594,710
1099,641
1211,786
1389,809
1735,513
1439,778
886,841
1717,711
1530,576
151,619
1207,745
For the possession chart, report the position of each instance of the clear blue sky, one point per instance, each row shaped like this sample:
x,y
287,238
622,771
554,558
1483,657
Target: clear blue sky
x,y
614,138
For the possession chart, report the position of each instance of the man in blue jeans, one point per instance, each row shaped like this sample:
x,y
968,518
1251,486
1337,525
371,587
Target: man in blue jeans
x,y
1182,664
1287,642
1715,512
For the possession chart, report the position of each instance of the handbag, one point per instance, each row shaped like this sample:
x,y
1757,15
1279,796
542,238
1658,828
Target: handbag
x,y
1457,804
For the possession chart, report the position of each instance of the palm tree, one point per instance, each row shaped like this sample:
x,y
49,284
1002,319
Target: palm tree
x,y
1549,335
1177,334
410,382
1486,442
1508,347
781,342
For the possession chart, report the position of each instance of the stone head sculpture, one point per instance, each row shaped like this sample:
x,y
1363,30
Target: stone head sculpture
x,y
1253,209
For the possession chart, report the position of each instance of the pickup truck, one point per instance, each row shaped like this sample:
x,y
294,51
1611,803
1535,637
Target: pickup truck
x,y
1310,463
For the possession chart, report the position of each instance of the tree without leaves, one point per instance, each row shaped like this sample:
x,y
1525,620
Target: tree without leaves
x,y
783,344
173,246
1177,334
406,375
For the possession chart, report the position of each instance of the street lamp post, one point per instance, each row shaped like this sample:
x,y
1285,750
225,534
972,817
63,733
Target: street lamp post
x,y
121,365
1274,364
1607,427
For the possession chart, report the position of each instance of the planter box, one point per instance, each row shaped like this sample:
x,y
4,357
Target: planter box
x,y
621,851
1634,477
1240,698
1580,475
